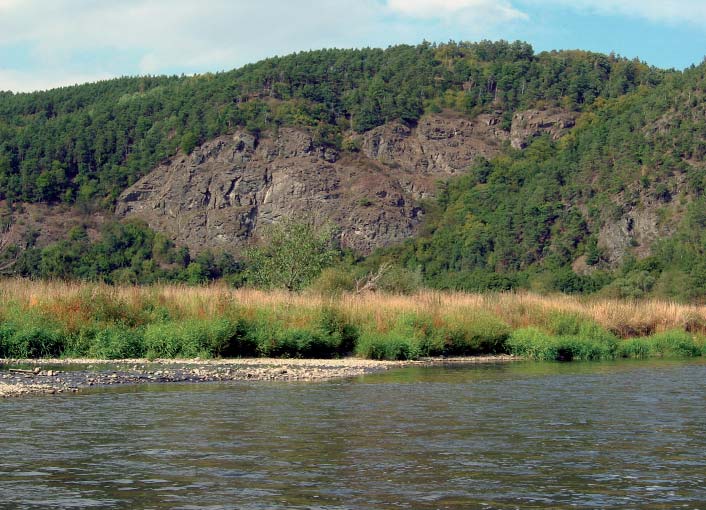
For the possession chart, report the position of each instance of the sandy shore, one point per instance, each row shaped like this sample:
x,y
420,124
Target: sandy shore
x,y
56,376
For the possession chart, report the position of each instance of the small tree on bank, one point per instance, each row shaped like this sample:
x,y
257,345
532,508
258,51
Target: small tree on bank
x,y
290,255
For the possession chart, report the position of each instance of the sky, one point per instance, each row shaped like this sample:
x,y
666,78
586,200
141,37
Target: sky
x,y
50,43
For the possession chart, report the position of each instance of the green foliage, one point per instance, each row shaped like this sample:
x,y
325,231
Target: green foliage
x,y
85,143
126,253
335,280
670,344
328,334
189,338
392,345
291,255
29,336
526,219
572,339
115,342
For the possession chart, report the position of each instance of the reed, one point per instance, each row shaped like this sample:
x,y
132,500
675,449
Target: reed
x,y
51,318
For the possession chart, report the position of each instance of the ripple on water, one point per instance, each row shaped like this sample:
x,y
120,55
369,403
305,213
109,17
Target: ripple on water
x,y
615,435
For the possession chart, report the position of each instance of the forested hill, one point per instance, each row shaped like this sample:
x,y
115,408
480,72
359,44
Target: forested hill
x,y
87,143
559,171
617,206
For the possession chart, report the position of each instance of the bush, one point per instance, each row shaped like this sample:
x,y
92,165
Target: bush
x,y
31,342
117,342
336,325
30,336
329,334
533,344
400,280
189,338
670,344
638,348
334,281
387,346
675,343
591,343
479,334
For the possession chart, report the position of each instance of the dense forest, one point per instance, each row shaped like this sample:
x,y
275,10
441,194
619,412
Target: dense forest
x,y
521,220
86,143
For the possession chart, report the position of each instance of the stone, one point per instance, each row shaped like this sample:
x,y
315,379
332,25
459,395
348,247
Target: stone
x,y
229,188
529,124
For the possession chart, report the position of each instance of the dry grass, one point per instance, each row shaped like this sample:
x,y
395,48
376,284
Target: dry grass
x,y
78,300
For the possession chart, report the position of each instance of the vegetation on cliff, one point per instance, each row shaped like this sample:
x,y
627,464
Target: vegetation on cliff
x,y
87,143
633,168
615,206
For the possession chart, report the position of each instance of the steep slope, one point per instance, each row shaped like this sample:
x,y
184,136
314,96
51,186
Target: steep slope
x,y
225,190
617,203
560,170
87,143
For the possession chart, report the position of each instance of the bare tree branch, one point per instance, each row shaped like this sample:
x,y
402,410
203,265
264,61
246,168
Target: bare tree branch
x,y
369,283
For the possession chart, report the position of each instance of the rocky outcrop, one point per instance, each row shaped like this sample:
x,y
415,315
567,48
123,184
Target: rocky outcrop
x,y
222,194
443,145
638,227
531,123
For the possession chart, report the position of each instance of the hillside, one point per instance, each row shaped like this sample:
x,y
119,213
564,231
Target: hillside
x,y
474,165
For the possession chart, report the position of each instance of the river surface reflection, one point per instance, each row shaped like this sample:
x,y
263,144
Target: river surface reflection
x,y
521,435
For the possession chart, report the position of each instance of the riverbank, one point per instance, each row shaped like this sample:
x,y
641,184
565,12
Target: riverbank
x,y
80,320
57,376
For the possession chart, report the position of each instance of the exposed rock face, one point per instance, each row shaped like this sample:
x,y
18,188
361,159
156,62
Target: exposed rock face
x,y
438,145
221,194
639,227
530,123
40,225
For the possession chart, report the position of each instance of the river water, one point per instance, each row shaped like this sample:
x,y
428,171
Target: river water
x,y
521,435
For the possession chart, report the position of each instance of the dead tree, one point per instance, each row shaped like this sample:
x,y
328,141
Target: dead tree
x,y
369,282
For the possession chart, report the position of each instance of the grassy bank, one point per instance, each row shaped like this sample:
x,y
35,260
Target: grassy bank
x,y
53,319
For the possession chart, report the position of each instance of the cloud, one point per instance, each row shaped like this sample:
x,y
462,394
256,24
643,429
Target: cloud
x,y
67,38
48,42
14,80
487,10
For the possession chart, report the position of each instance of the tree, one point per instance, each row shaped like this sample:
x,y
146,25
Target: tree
x,y
290,255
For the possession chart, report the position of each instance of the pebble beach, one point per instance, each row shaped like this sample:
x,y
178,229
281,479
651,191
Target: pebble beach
x,y
60,376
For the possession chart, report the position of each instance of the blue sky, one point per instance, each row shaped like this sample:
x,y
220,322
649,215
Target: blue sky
x,y
48,43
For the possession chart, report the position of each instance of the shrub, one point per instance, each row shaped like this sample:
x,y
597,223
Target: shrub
x,y
334,281
634,348
335,324
189,338
387,346
674,344
477,334
116,342
533,344
592,343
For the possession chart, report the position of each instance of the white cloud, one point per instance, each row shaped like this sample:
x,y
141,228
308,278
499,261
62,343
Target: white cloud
x,y
492,11
45,43
65,39
11,79
158,36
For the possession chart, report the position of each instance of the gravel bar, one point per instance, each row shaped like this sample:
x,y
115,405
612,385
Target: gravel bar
x,y
57,376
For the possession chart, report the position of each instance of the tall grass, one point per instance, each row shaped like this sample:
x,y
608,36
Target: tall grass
x,y
100,321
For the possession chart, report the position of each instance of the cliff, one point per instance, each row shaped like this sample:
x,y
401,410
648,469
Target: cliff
x,y
221,194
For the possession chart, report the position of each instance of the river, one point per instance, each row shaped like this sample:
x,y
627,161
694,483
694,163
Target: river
x,y
519,435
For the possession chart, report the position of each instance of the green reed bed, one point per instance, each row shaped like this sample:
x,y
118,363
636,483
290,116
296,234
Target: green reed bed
x,y
59,320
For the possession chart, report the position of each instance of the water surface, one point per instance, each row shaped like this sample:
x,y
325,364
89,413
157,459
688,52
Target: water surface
x,y
522,435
